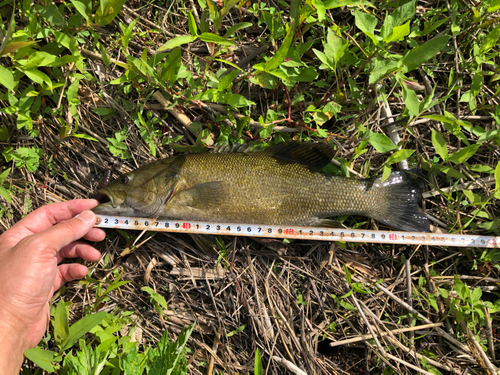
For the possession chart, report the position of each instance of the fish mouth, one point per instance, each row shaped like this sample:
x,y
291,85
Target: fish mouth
x,y
114,206
116,199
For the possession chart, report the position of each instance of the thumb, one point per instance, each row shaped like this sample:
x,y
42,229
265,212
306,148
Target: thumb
x,y
68,231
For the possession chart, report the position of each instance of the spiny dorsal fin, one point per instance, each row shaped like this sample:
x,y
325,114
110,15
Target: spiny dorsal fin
x,y
312,155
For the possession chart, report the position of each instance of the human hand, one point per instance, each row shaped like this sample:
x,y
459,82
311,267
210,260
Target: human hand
x,y
30,253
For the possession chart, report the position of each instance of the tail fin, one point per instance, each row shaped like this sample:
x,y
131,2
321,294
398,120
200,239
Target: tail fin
x,y
401,191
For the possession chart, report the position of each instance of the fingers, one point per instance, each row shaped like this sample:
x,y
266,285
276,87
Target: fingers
x,y
69,272
47,216
95,235
78,250
66,232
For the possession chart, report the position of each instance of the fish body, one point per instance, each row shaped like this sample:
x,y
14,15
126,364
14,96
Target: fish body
x,y
282,186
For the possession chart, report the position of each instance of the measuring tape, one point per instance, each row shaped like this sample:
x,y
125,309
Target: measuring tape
x,y
297,232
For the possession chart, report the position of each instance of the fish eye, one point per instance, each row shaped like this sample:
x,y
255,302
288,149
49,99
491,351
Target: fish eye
x,y
124,180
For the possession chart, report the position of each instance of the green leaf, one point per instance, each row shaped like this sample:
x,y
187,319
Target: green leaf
x,y
81,327
439,144
386,172
51,14
398,156
380,142
82,8
193,28
490,41
177,41
60,323
42,358
497,181
235,28
236,331
227,81
212,38
320,8
460,156
366,23
4,133
7,78
5,194
417,56
398,33
281,53
38,77
332,4
110,11
4,175
257,368
170,68
411,100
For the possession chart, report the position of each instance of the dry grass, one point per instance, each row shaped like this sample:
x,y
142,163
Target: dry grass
x,y
281,292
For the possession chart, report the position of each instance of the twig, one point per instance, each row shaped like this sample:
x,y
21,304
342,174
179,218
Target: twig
x,y
289,366
380,334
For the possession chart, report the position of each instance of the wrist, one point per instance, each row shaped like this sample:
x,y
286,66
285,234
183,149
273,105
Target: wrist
x,y
11,350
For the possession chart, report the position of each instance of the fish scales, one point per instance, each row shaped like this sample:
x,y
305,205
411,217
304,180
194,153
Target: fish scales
x,y
280,186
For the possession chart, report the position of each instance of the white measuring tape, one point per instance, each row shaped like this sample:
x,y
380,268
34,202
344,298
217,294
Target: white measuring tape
x,y
297,232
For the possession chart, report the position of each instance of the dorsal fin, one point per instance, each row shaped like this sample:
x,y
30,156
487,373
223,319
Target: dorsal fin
x,y
312,155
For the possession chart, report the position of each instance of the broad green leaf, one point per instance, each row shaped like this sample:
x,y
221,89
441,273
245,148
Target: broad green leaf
x,y
72,93
7,78
482,168
81,327
4,133
177,41
38,77
320,8
490,41
4,175
235,28
398,156
60,323
398,33
380,142
110,11
42,358
335,47
170,68
83,7
212,38
439,144
497,181
493,6
227,80
411,100
381,69
366,23
193,29
5,194
417,56
460,156
51,14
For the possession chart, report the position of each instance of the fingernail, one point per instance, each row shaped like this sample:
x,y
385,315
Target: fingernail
x,y
88,217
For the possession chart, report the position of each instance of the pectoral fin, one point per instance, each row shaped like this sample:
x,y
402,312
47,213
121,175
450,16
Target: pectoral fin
x,y
202,196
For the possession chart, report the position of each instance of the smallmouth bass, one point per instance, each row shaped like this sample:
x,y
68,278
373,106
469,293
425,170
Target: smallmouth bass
x,y
282,185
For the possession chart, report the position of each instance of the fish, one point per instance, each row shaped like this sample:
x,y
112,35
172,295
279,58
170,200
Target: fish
x,y
281,185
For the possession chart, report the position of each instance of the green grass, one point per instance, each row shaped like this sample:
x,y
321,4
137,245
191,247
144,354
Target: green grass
x,y
91,85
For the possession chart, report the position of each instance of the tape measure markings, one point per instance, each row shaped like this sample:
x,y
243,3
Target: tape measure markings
x,y
297,232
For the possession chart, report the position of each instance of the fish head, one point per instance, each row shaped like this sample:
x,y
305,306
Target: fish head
x,y
143,192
